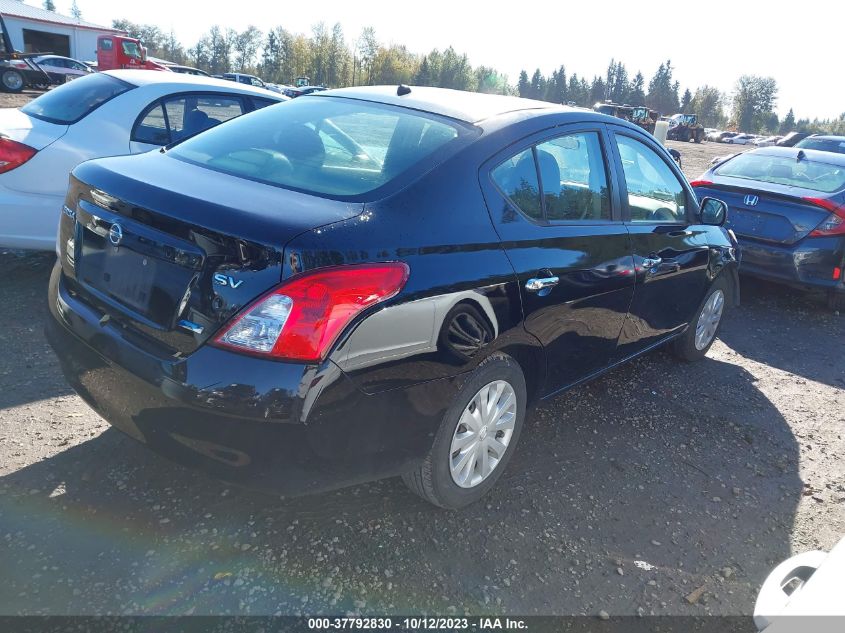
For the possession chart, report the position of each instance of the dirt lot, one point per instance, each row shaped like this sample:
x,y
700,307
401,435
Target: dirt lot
x,y
626,495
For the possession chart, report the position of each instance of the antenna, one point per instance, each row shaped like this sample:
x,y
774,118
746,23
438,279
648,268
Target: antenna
x,y
403,90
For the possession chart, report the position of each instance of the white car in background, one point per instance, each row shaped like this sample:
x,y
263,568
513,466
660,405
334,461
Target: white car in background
x,y
102,114
740,139
62,69
804,594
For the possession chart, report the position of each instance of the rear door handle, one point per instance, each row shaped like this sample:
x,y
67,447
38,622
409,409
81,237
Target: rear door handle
x,y
535,284
651,262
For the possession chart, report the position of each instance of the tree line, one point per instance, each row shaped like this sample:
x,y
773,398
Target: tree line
x,y
324,55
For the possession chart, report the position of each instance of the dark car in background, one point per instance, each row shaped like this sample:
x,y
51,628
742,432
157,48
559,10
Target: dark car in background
x,y
823,143
374,282
788,212
792,138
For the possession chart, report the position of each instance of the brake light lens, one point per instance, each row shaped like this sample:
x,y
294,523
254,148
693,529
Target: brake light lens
x,y
700,183
834,224
302,318
14,154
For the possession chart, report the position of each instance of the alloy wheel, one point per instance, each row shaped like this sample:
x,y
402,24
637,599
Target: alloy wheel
x,y
708,320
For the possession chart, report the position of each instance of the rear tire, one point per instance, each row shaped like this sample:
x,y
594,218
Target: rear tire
x,y
12,80
434,480
836,300
694,344
698,136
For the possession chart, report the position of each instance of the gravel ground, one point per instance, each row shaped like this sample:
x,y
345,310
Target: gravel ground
x,y
660,488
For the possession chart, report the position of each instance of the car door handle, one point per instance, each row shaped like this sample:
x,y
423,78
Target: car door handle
x,y
651,262
536,284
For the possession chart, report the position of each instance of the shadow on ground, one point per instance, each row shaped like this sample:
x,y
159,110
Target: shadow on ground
x,y
686,468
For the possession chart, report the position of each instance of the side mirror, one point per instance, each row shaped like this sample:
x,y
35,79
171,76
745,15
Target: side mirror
x,y
713,212
143,53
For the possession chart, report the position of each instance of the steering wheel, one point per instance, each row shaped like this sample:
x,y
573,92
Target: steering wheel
x,y
662,214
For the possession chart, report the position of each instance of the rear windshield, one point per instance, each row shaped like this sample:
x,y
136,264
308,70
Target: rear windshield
x,y
75,100
785,170
824,144
328,146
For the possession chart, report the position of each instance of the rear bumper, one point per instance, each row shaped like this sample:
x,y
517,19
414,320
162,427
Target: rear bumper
x,y
288,428
808,265
29,220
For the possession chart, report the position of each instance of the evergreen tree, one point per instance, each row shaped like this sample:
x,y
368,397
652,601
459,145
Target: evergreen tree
x,y
598,91
662,92
75,11
636,94
788,123
686,101
49,5
523,87
538,85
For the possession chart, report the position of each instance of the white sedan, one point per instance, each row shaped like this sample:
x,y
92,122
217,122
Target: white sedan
x,y
740,139
102,114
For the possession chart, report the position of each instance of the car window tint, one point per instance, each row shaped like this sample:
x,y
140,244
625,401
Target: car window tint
x,y
654,192
175,117
152,128
286,146
71,102
217,108
262,103
573,176
785,170
517,179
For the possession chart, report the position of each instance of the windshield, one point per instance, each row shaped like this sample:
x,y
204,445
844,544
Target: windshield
x,y
824,144
785,170
73,101
327,146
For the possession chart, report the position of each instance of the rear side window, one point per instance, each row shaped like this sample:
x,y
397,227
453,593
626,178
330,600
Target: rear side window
x,y
178,118
572,178
517,179
785,170
73,101
327,146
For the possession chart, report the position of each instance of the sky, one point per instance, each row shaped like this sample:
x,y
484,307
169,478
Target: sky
x,y
720,41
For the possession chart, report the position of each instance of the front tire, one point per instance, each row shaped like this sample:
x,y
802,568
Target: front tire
x,y
477,437
694,344
12,81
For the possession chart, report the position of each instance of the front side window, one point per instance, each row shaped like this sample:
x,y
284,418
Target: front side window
x,y
327,146
654,192
106,45
573,178
71,102
131,49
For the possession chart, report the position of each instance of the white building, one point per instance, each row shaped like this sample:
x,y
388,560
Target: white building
x,y
36,30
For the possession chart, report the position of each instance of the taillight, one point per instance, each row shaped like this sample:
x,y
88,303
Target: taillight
x,y
700,183
834,224
19,63
302,318
14,154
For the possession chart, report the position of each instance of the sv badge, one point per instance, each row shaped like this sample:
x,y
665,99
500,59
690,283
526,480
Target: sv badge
x,y
227,280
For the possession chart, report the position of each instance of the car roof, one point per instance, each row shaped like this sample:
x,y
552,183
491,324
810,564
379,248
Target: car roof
x,y
471,107
828,137
815,155
187,82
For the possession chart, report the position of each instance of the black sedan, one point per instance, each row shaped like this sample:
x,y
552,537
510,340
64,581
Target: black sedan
x,y
788,212
373,282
